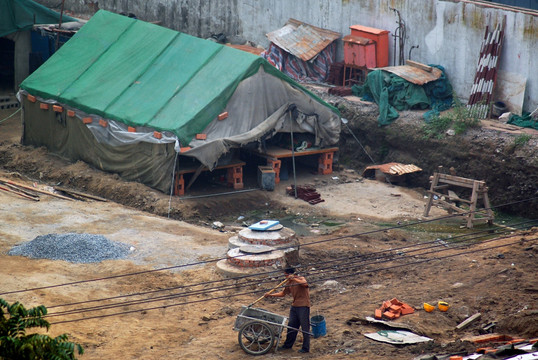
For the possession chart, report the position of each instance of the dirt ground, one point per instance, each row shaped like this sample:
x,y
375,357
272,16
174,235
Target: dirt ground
x,y
359,220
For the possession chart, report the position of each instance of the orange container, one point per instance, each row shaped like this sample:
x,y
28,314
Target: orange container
x,y
381,38
359,51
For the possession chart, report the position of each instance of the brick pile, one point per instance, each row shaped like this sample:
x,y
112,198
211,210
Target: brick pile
x,y
393,309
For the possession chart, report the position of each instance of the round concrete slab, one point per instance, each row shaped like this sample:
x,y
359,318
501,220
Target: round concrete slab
x,y
275,227
270,238
255,249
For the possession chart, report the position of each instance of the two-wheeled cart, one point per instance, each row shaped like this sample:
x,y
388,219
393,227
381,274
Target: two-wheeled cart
x,y
259,330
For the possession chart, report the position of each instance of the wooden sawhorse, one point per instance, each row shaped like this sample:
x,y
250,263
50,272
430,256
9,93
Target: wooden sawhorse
x,y
440,182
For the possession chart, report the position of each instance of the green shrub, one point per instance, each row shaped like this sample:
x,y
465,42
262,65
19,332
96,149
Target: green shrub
x,y
460,119
522,139
16,344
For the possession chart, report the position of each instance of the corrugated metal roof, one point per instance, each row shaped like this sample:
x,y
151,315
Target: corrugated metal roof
x,y
302,40
414,74
393,169
357,40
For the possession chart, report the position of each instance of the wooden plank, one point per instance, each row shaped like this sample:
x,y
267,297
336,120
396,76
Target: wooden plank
x,y
18,193
474,198
457,180
24,191
83,195
419,65
449,205
467,321
435,180
451,198
35,189
278,152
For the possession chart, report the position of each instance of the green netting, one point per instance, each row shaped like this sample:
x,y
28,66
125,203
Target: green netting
x,y
524,120
17,15
393,93
145,75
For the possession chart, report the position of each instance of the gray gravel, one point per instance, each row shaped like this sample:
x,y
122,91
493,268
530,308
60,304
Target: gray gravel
x,y
77,248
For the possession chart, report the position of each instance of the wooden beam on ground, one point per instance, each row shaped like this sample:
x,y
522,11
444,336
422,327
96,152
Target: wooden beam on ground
x,y
467,321
5,181
19,193
78,193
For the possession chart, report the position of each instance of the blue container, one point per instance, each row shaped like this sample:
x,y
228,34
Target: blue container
x,y
318,326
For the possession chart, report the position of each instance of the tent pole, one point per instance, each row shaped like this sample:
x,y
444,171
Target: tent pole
x,y
172,186
59,26
293,155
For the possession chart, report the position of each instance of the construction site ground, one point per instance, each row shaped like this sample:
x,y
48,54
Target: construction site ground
x,y
358,219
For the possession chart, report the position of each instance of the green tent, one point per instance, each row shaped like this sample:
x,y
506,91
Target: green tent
x,y
18,15
138,89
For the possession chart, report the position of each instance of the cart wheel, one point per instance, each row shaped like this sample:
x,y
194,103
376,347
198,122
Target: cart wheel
x,y
256,338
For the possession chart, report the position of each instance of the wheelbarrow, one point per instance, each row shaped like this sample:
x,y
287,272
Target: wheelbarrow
x,y
259,330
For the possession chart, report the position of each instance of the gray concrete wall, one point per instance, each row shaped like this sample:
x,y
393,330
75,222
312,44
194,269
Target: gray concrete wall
x,y
447,32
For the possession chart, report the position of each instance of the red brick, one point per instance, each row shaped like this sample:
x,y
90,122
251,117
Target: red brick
x,y
395,301
223,115
406,309
378,314
390,315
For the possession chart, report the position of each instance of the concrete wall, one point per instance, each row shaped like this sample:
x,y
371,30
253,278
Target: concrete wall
x,y
447,32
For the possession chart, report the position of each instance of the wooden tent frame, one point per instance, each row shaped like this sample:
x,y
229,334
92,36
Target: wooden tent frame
x,y
440,182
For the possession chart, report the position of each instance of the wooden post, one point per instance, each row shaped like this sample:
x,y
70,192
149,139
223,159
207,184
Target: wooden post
x,y
474,197
435,180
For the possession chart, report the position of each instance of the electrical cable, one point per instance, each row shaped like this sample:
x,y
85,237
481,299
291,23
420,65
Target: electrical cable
x,y
305,244
369,256
256,291
235,286
205,291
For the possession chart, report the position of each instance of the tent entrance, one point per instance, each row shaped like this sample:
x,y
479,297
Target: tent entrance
x,y
7,65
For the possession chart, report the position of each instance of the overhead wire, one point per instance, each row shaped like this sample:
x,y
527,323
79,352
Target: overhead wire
x,y
203,262
205,291
339,262
236,286
257,291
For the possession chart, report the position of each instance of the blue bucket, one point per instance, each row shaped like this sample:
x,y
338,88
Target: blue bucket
x,y
318,326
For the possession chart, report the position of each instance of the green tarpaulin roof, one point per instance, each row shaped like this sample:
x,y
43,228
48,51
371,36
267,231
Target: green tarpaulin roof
x,y
16,15
145,75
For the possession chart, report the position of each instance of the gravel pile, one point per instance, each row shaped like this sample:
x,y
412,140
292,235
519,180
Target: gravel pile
x,y
77,248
